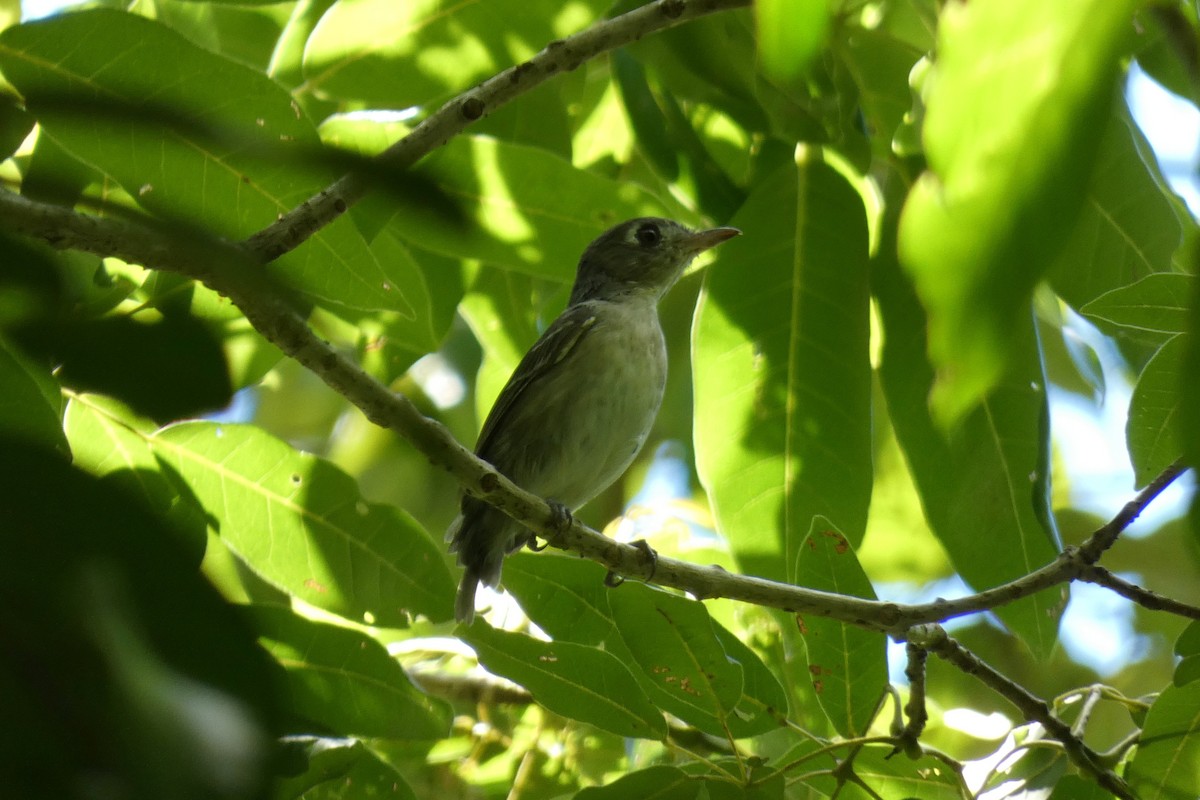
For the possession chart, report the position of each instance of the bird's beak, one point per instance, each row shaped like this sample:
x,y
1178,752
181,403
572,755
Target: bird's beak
x,y
703,240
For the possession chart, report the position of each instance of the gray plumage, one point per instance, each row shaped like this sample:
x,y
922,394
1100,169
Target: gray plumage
x,y
579,406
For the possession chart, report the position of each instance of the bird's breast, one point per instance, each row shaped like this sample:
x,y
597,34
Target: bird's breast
x,y
608,403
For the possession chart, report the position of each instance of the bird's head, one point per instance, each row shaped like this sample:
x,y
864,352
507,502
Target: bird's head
x,y
642,256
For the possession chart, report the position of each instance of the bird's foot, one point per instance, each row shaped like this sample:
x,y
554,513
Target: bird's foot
x,y
612,580
560,517
560,522
649,555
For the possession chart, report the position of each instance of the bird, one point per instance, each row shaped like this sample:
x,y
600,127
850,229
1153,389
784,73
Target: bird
x,y
581,402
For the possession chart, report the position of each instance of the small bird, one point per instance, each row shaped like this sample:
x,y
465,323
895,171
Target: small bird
x,y
579,406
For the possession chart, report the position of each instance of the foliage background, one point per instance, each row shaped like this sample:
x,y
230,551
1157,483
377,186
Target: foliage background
x,y
930,195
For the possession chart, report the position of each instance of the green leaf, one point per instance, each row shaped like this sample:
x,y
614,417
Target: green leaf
x,y
1157,304
194,137
899,778
165,368
392,342
524,209
848,665
682,59
1012,129
985,488
1131,224
324,760
110,441
782,374
301,523
370,777
675,645
15,125
647,120
880,62
578,682
566,597
438,46
1153,429
345,680
31,404
1167,764
791,33
498,311
764,702
660,783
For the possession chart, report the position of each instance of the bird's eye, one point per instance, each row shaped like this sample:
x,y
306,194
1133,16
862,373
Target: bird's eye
x,y
648,235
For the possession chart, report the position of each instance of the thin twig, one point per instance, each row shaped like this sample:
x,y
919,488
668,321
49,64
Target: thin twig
x,y
1073,563
935,639
563,55
1143,597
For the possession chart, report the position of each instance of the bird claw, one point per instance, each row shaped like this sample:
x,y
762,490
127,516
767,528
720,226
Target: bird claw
x,y
560,516
560,522
612,580
650,556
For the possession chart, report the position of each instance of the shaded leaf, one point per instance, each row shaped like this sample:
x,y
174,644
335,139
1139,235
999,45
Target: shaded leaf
x,y
1153,430
361,46
167,368
674,643
324,759
1167,764
579,682
345,680
110,441
1157,304
31,404
526,209
1131,225
661,783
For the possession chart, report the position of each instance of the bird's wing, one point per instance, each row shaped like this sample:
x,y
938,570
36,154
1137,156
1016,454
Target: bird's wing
x,y
555,345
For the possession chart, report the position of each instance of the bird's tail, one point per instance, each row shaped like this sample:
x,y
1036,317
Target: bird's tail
x,y
464,602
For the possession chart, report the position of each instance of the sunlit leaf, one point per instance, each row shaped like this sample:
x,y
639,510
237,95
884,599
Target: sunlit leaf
x,y
222,147
301,523
1012,129
782,377
361,47
847,665
986,487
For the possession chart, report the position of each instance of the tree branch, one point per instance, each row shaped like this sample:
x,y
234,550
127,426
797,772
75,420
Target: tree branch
x,y
1073,563
562,55
223,268
1143,597
935,639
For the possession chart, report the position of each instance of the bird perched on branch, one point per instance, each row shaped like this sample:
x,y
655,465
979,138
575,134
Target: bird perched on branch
x,y
581,402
